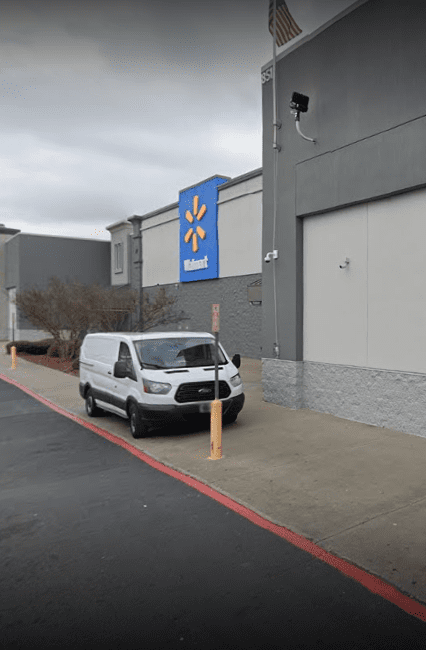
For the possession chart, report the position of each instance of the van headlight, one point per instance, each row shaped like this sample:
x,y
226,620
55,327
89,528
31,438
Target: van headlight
x,y
157,387
236,380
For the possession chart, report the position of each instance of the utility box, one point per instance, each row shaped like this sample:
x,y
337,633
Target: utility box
x,y
254,292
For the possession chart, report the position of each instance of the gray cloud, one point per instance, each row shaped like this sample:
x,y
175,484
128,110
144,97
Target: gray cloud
x,y
109,108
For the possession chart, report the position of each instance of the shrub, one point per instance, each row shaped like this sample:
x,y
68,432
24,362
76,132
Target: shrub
x,y
45,346
29,347
18,345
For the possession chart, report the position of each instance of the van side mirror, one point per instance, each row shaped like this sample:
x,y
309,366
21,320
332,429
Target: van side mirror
x,y
120,370
236,360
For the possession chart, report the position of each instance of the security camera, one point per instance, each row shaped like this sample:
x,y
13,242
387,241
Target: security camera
x,y
271,255
299,103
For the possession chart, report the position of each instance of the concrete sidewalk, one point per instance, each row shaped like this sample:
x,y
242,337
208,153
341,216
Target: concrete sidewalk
x,y
356,490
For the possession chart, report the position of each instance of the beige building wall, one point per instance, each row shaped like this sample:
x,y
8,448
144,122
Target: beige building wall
x,y
239,233
160,245
120,233
240,228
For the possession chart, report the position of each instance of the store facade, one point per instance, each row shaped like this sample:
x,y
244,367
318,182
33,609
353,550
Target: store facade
x,y
204,249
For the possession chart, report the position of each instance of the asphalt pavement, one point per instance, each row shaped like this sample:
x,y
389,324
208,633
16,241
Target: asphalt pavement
x,y
100,549
354,491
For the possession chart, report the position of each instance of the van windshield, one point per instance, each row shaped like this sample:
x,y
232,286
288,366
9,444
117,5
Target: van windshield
x,y
177,353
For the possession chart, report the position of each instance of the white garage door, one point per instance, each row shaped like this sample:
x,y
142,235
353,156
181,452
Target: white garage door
x,y
372,313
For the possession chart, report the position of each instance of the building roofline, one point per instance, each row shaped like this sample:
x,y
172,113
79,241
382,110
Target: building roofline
x,y
154,213
8,231
118,223
210,178
172,206
34,234
242,178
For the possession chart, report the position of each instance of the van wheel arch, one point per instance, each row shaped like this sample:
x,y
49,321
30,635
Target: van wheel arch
x,y
86,389
92,409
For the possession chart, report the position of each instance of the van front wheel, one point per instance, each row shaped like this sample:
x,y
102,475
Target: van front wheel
x,y
230,417
138,428
92,409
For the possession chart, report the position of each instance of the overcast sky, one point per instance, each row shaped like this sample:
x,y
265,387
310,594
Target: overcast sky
x,y
108,109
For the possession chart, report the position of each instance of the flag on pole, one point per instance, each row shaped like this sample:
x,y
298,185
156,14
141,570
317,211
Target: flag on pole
x,y
286,27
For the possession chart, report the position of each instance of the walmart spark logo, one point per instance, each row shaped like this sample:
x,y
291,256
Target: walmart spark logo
x,y
199,232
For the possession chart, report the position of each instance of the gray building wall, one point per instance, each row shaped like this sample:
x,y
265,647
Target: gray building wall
x,y
5,235
365,77
12,263
367,112
240,321
367,95
31,260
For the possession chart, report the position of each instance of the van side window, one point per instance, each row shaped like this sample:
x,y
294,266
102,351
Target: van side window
x,y
124,355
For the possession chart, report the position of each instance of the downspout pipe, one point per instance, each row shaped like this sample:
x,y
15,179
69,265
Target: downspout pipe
x,y
277,149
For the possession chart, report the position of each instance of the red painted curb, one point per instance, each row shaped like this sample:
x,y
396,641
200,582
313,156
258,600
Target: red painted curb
x,y
372,583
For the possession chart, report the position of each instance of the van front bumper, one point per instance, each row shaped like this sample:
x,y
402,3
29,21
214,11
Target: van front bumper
x,y
165,412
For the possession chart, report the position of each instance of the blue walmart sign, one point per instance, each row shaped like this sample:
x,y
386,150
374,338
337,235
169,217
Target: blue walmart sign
x,y
198,237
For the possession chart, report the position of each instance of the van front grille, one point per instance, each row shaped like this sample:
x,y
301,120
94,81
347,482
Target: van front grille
x,y
201,391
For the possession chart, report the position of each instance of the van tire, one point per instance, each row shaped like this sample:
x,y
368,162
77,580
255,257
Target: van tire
x,y
229,418
138,427
92,409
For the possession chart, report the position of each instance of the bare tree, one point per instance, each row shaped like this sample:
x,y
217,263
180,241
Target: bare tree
x,y
46,309
107,309
158,312
66,310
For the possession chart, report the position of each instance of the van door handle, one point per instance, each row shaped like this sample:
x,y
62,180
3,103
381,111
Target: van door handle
x,y
109,372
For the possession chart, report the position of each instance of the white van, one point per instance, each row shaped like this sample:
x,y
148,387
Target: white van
x,y
157,378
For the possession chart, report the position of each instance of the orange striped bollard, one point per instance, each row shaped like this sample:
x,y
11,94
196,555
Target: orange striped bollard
x,y
13,357
216,430
216,405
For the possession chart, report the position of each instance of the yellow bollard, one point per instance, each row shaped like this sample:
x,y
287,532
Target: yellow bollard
x,y
13,357
216,430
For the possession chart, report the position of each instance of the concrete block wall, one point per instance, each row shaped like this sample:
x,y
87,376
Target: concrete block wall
x,y
240,322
